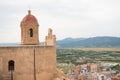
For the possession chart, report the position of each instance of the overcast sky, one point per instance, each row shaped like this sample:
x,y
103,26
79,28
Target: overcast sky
x,y
67,18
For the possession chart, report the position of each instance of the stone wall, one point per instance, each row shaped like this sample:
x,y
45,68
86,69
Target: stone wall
x,y
30,62
25,33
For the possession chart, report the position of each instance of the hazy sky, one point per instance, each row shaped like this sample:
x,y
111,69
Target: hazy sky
x,y
67,18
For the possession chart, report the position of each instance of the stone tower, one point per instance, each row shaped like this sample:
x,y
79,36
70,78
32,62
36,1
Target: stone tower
x,y
30,61
50,39
29,30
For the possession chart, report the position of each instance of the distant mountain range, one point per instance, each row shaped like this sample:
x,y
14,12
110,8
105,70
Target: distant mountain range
x,y
82,42
89,42
9,44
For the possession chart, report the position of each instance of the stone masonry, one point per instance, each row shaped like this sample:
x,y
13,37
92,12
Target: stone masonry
x,y
29,61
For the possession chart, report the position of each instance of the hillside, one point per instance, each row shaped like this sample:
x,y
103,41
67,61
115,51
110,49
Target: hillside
x,y
89,42
107,42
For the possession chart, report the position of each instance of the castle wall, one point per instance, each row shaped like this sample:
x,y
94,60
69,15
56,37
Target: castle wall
x,y
30,62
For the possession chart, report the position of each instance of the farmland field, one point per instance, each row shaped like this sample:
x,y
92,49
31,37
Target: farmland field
x,y
96,49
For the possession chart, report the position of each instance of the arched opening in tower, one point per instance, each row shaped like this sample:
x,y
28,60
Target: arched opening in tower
x,y
31,32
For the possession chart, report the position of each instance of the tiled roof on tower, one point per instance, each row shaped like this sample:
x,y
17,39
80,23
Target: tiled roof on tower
x,y
29,18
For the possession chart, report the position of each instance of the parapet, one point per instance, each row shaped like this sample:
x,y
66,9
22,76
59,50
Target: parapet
x,y
50,39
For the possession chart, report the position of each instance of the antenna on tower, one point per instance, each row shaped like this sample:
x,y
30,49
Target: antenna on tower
x,y
29,8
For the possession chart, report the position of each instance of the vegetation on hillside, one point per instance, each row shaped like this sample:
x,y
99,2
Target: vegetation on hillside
x,y
77,56
89,42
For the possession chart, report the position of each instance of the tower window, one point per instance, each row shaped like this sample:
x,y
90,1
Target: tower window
x,y
11,65
31,32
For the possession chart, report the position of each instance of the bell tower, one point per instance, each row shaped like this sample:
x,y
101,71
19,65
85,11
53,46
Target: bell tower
x,y
29,30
